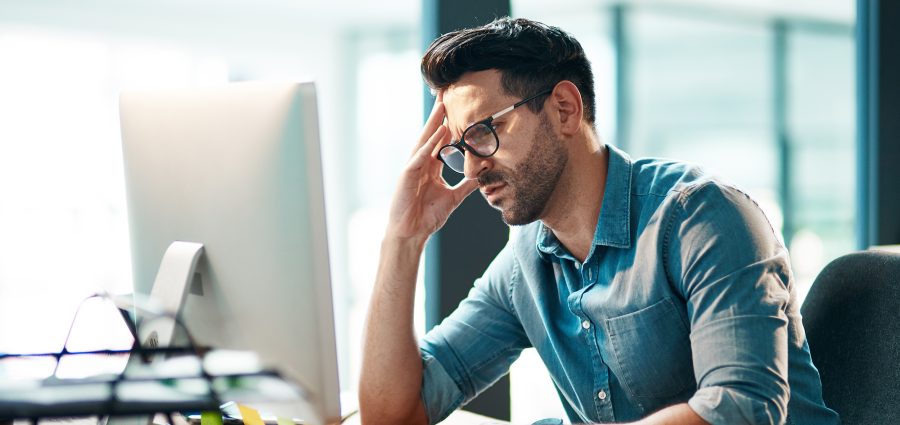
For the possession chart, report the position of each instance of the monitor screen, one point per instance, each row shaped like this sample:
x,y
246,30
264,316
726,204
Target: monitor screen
x,y
237,168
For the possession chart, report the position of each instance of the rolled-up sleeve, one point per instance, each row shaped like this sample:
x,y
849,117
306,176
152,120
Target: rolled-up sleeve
x,y
734,274
473,347
440,392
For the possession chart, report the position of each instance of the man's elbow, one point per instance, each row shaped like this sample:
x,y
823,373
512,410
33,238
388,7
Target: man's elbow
x,y
728,405
375,409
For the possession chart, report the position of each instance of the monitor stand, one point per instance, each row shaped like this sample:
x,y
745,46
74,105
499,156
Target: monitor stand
x,y
173,282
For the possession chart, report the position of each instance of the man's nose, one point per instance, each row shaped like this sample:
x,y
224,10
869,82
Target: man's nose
x,y
475,165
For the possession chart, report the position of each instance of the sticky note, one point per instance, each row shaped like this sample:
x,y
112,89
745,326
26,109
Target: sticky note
x,y
250,415
210,418
285,421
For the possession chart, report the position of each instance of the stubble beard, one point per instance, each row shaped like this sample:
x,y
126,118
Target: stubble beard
x,y
535,178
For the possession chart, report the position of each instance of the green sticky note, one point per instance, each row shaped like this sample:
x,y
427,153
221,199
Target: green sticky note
x,y
210,418
285,421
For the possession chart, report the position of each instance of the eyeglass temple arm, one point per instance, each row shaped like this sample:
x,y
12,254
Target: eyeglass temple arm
x,y
495,116
520,103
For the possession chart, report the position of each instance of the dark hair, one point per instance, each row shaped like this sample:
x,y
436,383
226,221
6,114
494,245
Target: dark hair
x,y
530,56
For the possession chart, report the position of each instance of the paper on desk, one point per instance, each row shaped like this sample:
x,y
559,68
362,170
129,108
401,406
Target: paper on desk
x,y
250,415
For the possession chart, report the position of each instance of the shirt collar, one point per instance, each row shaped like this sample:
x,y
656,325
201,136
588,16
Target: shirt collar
x,y
614,225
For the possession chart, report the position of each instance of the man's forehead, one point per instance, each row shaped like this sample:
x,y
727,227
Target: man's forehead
x,y
468,102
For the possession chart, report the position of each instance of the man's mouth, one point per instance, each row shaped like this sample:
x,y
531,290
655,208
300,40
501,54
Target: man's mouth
x,y
492,192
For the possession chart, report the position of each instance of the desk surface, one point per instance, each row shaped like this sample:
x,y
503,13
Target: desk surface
x,y
459,417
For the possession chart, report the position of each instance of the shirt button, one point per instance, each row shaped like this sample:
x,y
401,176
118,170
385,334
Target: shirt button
x,y
590,274
578,265
586,324
601,395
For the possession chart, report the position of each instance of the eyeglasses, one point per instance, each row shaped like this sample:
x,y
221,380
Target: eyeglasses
x,y
480,139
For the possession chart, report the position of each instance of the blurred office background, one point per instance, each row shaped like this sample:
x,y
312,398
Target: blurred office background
x,y
760,92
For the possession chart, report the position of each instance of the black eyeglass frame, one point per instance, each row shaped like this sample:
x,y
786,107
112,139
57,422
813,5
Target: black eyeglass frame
x,y
461,144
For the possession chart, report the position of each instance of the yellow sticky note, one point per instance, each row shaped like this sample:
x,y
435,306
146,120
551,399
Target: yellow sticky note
x,y
250,415
210,418
285,421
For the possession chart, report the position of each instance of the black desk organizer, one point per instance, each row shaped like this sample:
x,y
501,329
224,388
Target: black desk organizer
x,y
140,388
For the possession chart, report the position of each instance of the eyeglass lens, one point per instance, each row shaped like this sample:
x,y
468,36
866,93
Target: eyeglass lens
x,y
454,158
480,138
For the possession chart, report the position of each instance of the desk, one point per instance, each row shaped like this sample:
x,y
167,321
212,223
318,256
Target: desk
x,y
459,417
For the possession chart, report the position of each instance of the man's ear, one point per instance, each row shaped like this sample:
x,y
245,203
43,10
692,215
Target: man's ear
x,y
567,107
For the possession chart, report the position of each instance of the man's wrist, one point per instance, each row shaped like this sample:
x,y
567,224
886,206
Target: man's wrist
x,y
404,243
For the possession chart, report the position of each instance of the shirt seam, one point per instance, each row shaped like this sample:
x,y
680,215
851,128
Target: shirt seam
x,y
666,256
690,190
513,282
680,209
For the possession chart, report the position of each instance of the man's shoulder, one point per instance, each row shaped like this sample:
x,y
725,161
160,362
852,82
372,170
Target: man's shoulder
x,y
664,177
686,186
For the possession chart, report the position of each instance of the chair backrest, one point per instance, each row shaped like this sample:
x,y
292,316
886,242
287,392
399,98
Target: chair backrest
x,y
852,321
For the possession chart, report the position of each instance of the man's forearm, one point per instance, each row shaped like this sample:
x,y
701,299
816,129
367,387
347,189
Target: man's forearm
x,y
391,375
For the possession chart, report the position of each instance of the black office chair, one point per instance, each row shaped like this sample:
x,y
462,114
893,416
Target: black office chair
x,y
852,321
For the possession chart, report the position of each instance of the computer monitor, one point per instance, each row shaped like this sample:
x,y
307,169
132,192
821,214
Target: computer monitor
x,y
237,168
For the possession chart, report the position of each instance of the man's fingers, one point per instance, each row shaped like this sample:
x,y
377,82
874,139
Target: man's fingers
x,y
431,125
464,188
426,150
436,147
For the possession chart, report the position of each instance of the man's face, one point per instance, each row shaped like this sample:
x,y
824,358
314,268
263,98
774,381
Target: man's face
x,y
520,178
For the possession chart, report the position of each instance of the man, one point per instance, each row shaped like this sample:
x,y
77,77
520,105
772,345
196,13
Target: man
x,y
652,292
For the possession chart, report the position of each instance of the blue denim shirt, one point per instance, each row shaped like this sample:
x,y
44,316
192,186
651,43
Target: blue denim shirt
x,y
685,296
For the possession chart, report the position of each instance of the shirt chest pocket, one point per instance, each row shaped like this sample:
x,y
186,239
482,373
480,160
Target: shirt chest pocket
x,y
652,351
